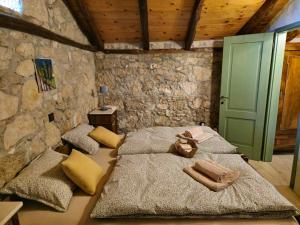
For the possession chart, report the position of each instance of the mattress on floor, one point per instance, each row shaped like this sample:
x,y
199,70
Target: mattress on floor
x,y
161,140
154,186
81,205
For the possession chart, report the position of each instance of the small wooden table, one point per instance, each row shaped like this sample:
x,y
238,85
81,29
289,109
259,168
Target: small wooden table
x,y
9,212
107,118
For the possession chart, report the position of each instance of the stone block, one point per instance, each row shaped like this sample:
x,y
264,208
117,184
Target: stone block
x,y
25,68
52,136
26,50
21,127
31,98
8,105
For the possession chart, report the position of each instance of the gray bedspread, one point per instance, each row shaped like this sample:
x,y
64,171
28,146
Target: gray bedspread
x,y
161,140
154,185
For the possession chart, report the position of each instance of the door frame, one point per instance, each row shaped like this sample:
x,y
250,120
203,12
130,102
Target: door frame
x,y
289,27
274,89
296,157
273,96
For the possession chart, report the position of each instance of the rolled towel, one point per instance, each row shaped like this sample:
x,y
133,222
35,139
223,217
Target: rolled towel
x,y
212,185
216,172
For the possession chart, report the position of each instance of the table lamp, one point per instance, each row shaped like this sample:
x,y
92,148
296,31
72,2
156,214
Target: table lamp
x,y
103,90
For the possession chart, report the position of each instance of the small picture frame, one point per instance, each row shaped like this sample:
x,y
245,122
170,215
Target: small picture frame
x,y
44,74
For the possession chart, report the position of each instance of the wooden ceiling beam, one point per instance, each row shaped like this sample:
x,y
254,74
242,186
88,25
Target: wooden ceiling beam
x,y
144,23
259,21
85,22
16,23
195,17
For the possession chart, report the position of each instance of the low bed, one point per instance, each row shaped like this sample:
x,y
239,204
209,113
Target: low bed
x,y
154,185
161,140
150,188
81,206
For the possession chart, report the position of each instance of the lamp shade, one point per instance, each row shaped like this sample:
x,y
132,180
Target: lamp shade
x,y
103,89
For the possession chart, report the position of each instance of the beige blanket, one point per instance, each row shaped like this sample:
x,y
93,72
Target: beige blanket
x,y
154,185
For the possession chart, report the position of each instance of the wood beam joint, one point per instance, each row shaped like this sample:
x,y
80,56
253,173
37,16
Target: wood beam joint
x,y
85,22
258,23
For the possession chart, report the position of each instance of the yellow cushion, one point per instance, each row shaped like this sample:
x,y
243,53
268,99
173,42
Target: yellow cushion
x,y
83,171
106,137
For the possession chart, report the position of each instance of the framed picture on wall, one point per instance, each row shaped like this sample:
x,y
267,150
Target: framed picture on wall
x,y
44,74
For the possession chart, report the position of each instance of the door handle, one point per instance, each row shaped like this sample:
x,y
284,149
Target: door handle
x,y
222,99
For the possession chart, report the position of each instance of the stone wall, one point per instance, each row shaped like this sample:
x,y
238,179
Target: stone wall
x,y
50,14
24,127
169,89
25,130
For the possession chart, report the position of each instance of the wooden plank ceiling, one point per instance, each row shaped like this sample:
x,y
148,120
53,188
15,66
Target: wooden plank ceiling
x,y
116,20
141,21
169,19
221,18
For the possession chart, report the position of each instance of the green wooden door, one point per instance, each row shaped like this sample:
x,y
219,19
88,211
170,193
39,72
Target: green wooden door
x,y
244,90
